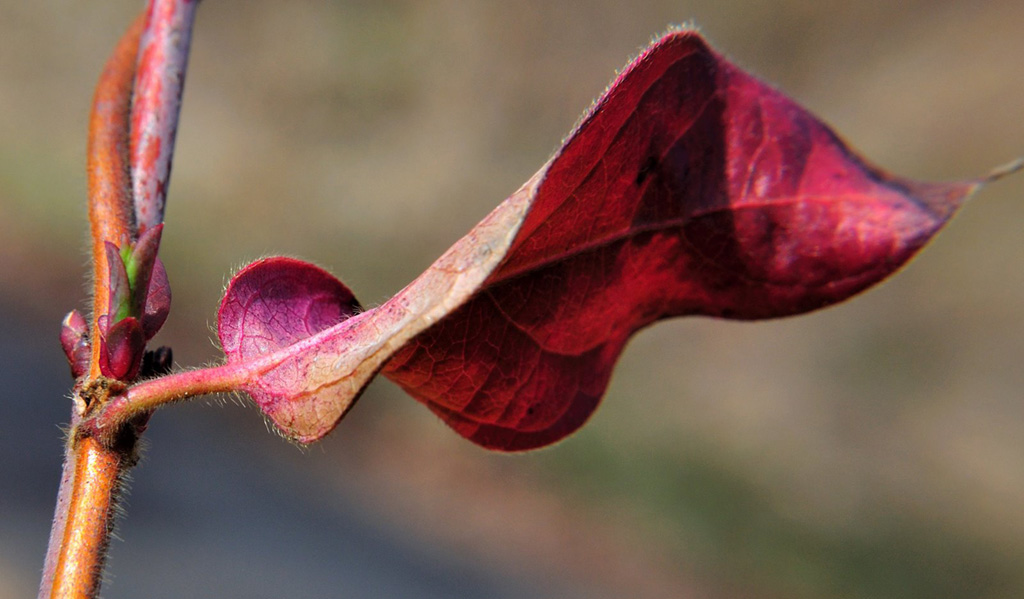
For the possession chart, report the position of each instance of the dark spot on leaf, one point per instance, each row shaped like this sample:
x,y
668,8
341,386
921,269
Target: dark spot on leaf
x,y
646,168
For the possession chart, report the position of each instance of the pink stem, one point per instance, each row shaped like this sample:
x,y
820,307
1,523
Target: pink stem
x,y
160,77
149,395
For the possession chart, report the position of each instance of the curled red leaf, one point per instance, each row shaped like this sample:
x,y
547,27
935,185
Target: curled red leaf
x,y
272,304
690,187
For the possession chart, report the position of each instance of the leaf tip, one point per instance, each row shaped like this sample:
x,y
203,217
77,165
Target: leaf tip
x,y
1003,171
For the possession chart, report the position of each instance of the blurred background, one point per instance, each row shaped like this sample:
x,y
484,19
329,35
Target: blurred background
x,y
874,449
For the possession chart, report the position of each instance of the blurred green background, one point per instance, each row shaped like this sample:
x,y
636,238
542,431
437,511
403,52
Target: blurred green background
x,y
875,449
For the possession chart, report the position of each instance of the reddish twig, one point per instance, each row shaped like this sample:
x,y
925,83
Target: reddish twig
x,y
163,58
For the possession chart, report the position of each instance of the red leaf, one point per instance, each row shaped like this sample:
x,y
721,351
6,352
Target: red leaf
x,y
272,304
688,188
306,387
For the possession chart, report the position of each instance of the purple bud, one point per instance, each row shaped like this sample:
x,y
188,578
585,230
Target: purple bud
x,y
74,337
123,346
158,301
139,266
120,290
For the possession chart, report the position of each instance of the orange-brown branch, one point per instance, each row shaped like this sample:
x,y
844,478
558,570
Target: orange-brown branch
x,y
93,469
88,516
111,213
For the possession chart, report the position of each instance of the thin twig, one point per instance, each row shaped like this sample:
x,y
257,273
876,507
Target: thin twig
x,y
94,466
111,215
160,78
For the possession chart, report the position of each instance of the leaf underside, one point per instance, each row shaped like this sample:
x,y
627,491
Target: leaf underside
x,y
689,188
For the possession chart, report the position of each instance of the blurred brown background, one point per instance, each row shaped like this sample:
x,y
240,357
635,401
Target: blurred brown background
x,y
875,449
